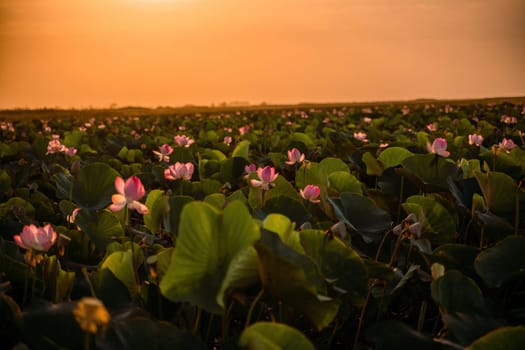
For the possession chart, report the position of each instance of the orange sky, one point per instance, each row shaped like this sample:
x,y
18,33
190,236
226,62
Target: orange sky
x,y
81,53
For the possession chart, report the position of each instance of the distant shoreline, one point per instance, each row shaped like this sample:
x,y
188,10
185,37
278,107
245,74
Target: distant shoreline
x,y
19,113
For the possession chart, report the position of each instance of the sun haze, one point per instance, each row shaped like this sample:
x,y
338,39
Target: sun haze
x,y
82,53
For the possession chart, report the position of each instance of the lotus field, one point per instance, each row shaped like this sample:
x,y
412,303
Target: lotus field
x,y
376,227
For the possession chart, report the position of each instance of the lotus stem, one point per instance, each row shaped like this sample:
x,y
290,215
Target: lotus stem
x,y
422,314
252,306
517,211
362,317
196,324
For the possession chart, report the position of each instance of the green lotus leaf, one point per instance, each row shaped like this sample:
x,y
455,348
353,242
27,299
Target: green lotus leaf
x,y
310,173
431,169
94,185
502,162
302,138
135,332
393,156
337,262
362,215
499,191
439,225
216,199
5,182
17,205
181,155
120,263
503,262
157,202
504,338
373,167
285,228
456,256
343,181
294,279
392,334
232,169
292,208
242,150
208,242
457,293
101,227
73,138
61,281
272,336
175,205
63,332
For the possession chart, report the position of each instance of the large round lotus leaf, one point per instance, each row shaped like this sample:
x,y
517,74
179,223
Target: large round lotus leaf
x,y
310,173
136,332
271,336
343,181
362,215
505,338
393,156
242,150
61,281
431,169
212,154
285,228
73,138
62,333
295,279
392,334
499,191
208,242
175,205
282,187
94,185
101,226
17,205
303,138
120,264
5,182
292,208
439,225
329,165
373,167
216,199
181,155
455,256
503,262
502,162
157,203
232,169
457,293
337,262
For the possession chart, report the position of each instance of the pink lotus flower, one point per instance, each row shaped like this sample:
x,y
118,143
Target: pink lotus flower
x,y
361,136
294,156
129,193
367,120
179,171
36,238
54,146
508,119
431,127
439,147
475,139
70,151
310,193
243,130
183,141
227,140
507,145
267,176
71,218
164,154
248,169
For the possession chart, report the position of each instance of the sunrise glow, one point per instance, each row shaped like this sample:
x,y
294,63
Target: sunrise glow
x,y
176,52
